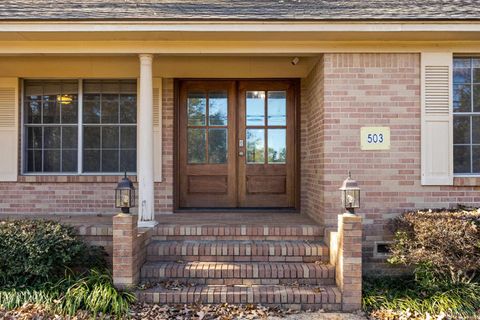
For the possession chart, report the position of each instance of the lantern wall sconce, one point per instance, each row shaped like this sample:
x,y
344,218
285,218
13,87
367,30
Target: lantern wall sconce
x,y
125,195
350,194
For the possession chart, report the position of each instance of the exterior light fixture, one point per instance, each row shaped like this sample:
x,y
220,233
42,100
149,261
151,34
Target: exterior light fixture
x,y
125,195
350,194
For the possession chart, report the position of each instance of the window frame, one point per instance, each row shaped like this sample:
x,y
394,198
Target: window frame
x,y
80,124
469,115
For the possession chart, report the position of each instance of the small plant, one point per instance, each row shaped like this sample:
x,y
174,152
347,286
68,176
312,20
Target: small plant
x,y
33,252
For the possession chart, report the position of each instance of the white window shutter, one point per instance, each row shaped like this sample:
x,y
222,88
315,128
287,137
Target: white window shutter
x,y
9,129
157,129
437,118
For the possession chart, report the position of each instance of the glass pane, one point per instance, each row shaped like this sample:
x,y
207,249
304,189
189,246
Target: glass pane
x,y
217,145
277,146
69,105
110,137
91,137
110,108
255,145
34,137
69,137
110,161
277,108
218,108
461,130
128,137
461,98
33,106
128,160
196,146
51,137
91,108
91,160
476,75
476,159
255,108
462,75
196,108
51,160
51,112
476,129
461,62
461,159
476,98
69,160
34,161
128,108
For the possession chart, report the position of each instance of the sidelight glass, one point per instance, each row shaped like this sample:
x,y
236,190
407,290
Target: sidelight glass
x,y
255,145
277,108
217,108
196,146
255,108
196,108
277,146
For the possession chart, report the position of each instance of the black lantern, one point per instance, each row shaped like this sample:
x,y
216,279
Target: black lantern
x,y
350,194
125,195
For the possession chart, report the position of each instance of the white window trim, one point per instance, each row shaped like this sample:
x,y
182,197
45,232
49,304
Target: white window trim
x,y
80,172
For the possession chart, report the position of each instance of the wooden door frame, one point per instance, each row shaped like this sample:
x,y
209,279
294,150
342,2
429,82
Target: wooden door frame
x,y
176,134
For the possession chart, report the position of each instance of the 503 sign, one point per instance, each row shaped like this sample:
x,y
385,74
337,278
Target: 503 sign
x,y
375,138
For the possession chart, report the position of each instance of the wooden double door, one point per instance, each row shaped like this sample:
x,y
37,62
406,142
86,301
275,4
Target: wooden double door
x,y
236,144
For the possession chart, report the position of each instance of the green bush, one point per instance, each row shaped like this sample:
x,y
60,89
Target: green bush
x,y
33,252
445,243
93,292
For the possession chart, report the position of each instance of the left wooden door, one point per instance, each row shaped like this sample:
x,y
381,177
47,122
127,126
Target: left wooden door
x,y
207,135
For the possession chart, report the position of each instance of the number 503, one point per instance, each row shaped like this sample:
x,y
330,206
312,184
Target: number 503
x,y
375,138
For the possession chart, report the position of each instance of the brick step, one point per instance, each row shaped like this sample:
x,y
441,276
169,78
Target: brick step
x,y
325,297
237,273
237,232
238,251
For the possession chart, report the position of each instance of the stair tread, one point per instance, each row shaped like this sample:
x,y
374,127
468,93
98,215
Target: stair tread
x,y
243,270
265,294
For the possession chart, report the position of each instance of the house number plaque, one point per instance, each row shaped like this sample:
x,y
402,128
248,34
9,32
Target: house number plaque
x,y
375,138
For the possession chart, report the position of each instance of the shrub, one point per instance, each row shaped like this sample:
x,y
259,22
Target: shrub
x,y
34,252
442,244
93,292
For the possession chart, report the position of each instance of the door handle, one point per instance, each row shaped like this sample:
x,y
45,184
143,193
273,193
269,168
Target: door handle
x,y
241,153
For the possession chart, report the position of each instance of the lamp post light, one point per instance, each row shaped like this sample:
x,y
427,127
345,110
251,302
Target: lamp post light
x,y
125,195
350,194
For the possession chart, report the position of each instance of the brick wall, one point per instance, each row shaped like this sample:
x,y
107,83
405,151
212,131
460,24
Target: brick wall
x,y
312,144
87,194
378,90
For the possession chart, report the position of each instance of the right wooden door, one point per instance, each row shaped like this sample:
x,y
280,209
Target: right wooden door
x,y
266,144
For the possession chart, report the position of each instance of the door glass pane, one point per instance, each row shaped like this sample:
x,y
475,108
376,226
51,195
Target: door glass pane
x,y
277,108
196,146
217,145
461,159
196,108
217,108
277,146
255,108
255,145
461,130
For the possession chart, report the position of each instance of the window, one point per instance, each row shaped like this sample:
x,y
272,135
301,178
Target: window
x,y
104,117
466,115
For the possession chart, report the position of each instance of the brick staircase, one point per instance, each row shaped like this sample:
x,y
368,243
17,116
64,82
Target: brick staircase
x,y
274,259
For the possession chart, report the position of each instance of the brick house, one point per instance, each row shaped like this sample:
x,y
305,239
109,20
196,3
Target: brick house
x,y
238,123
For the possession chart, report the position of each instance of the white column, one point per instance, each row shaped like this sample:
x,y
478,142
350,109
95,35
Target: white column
x,y
146,210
